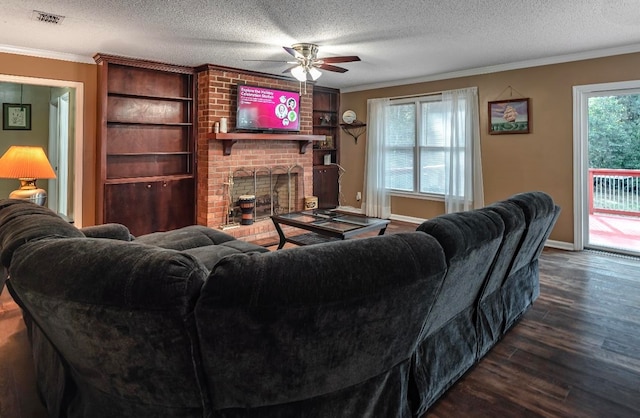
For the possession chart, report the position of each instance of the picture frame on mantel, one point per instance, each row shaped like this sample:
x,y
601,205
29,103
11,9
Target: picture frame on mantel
x,y
16,116
509,117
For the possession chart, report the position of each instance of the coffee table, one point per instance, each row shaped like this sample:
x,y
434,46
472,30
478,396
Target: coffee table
x,y
325,225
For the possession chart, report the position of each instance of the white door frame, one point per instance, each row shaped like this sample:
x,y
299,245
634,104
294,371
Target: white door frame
x,y
53,154
58,193
78,137
581,95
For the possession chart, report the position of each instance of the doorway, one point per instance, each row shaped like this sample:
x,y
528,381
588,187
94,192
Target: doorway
x,y
59,152
68,186
607,167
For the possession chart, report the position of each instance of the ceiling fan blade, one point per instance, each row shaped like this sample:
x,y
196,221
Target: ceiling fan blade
x,y
293,52
287,62
290,68
332,68
331,60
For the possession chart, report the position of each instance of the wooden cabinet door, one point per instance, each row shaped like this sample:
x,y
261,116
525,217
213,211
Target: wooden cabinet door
x,y
175,207
325,185
146,207
133,205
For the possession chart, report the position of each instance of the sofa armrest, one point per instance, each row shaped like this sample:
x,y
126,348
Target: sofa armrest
x,y
110,231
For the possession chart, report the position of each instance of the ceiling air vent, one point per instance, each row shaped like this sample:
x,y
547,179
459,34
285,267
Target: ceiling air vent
x,y
47,17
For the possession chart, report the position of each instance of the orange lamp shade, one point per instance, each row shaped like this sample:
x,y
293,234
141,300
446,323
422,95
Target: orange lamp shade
x,y
22,162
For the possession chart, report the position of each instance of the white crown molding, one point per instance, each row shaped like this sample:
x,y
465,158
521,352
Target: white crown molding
x,y
40,53
559,59
629,49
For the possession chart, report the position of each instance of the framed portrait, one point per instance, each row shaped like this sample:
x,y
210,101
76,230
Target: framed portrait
x,y
509,117
16,116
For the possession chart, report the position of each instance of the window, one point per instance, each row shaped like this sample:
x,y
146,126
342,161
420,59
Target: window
x,y
425,146
416,146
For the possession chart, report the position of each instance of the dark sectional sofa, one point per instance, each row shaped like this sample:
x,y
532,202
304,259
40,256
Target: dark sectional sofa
x,y
193,323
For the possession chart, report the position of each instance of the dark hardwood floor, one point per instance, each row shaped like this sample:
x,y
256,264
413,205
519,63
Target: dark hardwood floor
x,y
575,353
18,396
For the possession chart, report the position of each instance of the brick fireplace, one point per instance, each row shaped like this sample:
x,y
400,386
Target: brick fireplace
x,y
217,99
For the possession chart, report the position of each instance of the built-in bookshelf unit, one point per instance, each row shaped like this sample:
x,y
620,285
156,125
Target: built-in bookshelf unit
x,y
146,144
326,104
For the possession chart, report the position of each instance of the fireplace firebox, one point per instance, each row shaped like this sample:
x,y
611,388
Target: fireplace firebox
x,y
272,190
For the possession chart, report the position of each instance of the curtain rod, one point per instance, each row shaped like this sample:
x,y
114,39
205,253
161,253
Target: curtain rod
x,y
416,95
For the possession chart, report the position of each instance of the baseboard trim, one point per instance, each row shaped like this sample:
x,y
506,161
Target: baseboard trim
x,y
561,245
350,209
399,218
407,219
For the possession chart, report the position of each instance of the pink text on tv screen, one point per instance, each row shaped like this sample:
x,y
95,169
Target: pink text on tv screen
x,y
265,109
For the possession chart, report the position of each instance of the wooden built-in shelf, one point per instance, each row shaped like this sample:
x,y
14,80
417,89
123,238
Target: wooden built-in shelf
x,y
145,154
116,122
149,97
229,139
146,179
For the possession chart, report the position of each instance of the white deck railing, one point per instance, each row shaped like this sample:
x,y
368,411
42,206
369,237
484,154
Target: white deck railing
x,y
614,191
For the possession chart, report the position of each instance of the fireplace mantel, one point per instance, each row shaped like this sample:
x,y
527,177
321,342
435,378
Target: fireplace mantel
x,y
229,139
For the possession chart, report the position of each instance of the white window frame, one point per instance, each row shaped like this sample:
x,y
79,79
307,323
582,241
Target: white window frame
x,y
417,148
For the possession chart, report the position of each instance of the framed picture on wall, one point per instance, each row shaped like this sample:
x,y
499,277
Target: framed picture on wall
x,y
16,116
509,117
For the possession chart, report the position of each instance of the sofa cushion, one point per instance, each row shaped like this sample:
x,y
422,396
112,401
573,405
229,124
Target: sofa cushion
x,y
540,214
22,221
120,314
244,247
448,346
184,238
334,322
470,241
490,319
209,255
108,230
522,285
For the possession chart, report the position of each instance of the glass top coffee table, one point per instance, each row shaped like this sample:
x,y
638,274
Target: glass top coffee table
x,y
325,225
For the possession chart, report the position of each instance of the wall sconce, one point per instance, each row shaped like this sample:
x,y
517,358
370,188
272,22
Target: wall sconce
x,y
27,164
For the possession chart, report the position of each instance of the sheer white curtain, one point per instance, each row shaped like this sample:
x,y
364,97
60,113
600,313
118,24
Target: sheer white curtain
x,y
463,166
376,201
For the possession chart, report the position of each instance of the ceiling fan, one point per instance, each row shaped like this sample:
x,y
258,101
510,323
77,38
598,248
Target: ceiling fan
x,y
308,65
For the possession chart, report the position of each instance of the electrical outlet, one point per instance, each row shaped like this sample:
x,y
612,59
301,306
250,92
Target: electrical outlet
x,y
358,196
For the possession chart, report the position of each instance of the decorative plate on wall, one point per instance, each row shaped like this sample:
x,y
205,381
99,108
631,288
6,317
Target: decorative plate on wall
x,y
349,116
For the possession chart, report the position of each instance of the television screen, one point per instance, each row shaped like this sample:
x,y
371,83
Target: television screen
x,y
266,109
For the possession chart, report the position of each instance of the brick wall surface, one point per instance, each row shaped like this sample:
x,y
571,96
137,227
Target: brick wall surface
x,y
217,99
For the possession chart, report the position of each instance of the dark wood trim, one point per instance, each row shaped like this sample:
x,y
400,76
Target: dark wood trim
x,y
150,65
148,179
229,139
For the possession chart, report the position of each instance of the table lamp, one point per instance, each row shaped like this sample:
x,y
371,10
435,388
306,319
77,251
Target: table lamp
x,y
27,164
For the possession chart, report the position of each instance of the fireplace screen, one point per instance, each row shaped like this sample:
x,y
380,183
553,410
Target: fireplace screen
x,y
258,193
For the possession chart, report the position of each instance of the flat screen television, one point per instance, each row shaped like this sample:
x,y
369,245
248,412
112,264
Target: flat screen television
x,y
267,110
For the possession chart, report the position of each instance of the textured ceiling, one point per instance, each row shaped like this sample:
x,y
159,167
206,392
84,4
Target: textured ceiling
x,y
397,41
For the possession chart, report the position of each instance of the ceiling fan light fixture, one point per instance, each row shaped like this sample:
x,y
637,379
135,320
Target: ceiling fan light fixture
x,y
299,73
314,73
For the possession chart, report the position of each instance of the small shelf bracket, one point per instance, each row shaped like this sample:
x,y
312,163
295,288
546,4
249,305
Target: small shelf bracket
x,y
354,129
